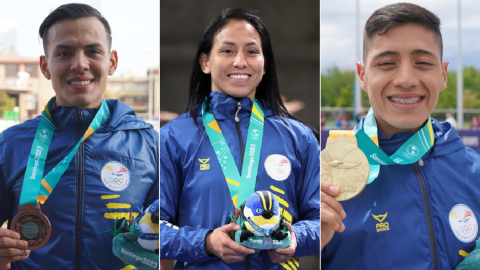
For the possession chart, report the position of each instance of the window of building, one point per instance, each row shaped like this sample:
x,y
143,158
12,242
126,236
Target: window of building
x,y
32,69
11,70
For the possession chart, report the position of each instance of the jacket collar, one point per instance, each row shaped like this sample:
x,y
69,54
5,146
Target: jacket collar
x,y
224,106
122,117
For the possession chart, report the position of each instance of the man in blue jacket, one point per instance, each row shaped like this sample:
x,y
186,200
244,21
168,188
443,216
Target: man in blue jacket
x,y
419,211
234,88
101,162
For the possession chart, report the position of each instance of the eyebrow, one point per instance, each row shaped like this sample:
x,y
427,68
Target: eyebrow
x,y
414,52
233,43
89,46
423,52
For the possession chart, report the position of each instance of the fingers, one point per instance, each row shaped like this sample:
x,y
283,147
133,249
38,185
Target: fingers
x,y
329,188
239,249
229,227
331,218
6,242
9,234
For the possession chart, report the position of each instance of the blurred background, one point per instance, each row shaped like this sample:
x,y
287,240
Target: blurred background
x,y
136,37
294,31
341,28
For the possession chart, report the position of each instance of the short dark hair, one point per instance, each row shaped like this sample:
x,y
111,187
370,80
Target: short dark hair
x,y
201,83
72,11
390,16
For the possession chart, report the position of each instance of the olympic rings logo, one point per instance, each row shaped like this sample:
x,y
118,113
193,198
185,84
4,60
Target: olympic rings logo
x,y
116,180
466,228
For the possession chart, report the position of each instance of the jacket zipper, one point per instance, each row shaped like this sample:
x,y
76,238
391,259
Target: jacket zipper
x,y
427,211
78,222
240,144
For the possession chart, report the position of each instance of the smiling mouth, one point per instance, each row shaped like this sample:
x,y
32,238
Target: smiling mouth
x,y
80,82
407,101
239,77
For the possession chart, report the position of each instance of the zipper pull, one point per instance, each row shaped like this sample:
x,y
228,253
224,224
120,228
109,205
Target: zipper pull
x,y
239,106
420,162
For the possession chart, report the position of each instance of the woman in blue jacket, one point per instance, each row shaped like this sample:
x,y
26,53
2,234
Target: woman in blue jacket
x,y
233,88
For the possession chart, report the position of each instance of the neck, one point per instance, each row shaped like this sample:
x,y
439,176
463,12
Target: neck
x,y
388,130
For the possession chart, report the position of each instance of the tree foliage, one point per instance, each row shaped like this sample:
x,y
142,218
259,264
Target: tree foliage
x,y
6,103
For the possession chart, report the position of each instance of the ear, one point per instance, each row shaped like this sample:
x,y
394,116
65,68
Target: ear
x,y
444,74
113,62
203,61
361,75
44,67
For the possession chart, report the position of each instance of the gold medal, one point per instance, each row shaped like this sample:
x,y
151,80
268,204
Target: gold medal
x,y
32,225
344,164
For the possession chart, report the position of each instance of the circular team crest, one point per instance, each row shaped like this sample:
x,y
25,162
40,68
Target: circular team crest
x,y
115,176
278,167
463,223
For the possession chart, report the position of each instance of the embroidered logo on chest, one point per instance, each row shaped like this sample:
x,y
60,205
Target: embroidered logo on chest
x,y
381,226
278,167
204,166
463,223
115,176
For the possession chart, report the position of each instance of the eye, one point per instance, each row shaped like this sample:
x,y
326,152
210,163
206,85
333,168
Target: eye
x,y
259,210
226,51
93,52
424,63
63,54
386,64
252,52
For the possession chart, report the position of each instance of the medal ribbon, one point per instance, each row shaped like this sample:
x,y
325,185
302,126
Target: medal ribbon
x,y
35,188
410,152
240,187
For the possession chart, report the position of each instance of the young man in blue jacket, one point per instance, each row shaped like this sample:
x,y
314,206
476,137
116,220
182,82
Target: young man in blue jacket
x,y
420,211
234,81
101,162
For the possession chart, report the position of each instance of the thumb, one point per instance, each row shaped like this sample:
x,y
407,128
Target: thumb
x,y
229,227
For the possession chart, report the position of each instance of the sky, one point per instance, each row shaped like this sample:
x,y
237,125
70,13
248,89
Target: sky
x,y
135,29
338,30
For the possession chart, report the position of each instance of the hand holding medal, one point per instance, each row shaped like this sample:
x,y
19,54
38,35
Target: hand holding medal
x,y
11,248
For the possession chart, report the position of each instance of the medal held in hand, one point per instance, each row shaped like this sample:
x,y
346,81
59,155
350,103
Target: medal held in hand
x,y
261,224
344,164
33,226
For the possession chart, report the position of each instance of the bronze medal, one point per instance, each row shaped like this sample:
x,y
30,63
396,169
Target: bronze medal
x,y
33,226
344,165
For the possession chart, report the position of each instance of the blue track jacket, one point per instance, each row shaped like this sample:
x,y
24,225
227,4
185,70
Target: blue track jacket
x,y
194,197
419,216
82,206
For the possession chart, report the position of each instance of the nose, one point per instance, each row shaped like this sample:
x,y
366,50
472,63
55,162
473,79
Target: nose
x,y
79,62
405,76
239,61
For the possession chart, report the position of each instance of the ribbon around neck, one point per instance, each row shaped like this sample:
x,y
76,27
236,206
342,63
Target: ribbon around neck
x,y
240,187
35,188
410,152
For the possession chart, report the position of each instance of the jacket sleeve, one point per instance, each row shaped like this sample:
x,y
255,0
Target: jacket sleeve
x,y
307,229
186,244
153,194
5,206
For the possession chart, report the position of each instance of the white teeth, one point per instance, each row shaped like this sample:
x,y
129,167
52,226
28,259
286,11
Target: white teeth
x,y
79,82
238,76
406,100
